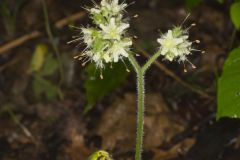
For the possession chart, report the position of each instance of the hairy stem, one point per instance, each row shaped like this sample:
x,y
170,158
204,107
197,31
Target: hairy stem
x,y
140,115
150,61
140,107
140,97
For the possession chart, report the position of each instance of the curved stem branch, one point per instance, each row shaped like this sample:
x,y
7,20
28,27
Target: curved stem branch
x,y
134,63
150,61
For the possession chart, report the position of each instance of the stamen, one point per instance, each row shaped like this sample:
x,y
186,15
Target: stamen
x,y
196,50
84,63
101,75
125,65
94,3
193,66
75,57
185,19
203,52
192,25
184,68
71,26
78,39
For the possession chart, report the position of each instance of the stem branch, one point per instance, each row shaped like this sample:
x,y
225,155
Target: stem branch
x,y
150,61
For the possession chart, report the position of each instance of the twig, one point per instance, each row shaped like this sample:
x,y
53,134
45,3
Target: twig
x,y
19,41
10,63
36,34
61,23
23,128
174,76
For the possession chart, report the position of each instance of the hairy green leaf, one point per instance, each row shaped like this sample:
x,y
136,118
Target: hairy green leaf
x,y
229,87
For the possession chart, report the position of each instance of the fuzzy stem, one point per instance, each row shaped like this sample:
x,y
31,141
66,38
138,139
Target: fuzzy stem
x,y
140,107
150,61
134,63
140,97
140,115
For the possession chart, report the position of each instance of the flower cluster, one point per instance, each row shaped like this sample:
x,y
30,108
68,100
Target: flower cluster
x,y
174,45
107,42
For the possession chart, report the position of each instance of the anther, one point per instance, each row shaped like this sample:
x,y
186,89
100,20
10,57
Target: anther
x,y
203,52
197,41
135,16
193,24
135,37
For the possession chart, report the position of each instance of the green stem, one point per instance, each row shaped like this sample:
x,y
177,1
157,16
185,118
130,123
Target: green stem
x,y
134,63
140,97
140,115
150,61
140,107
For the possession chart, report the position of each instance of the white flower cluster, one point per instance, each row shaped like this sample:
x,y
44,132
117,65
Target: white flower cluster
x,y
175,45
107,42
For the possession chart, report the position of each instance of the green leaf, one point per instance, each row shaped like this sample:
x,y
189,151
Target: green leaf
x,y
50,66
42,86
96,87
229,87
235,14
190,4
38,58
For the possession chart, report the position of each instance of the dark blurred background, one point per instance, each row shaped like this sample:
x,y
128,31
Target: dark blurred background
x,y
53,108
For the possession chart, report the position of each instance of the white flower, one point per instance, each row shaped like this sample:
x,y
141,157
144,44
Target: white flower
x,y
87,36
112,30
175,44
95,11
120,49
113,7
107,42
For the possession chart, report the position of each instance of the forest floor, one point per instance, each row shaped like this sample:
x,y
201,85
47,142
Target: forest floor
x,y
180,107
